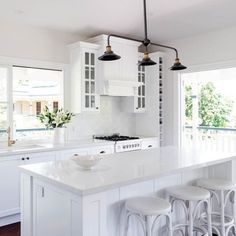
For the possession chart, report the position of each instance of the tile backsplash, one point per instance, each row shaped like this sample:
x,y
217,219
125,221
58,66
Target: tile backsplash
x,y
110,119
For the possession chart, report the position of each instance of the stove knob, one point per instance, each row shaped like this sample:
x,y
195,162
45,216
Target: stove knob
x,y
123,146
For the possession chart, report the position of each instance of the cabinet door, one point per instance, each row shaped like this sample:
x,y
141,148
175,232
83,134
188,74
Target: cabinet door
x,y
51,212
103,150
90,99
10,180
140,99
10,187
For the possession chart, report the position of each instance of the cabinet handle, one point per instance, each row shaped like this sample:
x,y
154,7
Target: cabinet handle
x,y
22,158
27,158
102,152
149,146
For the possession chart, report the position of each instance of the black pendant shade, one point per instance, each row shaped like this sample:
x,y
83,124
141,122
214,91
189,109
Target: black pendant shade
x,y
177,65
147,61
109,55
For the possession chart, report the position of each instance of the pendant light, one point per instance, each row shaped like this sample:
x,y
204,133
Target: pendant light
x,y
109,55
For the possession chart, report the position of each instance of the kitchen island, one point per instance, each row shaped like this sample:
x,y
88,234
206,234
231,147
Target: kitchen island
x,y
59,198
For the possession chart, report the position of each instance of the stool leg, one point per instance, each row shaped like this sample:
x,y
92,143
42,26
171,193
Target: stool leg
x,y
234,208
169,219
148,223
126,223
190,218
208,209
222,212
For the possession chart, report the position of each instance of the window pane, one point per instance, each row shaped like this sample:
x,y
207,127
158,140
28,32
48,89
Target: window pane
x,y
86,58
92,87
92,59
92,73
33,89
86,86
143,102
139,90
3,84
92,101
86,72
3,119
139,102
87,101
143,90
139,77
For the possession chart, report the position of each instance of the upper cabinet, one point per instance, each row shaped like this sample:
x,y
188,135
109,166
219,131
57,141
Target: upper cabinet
x,y
84,77
118,78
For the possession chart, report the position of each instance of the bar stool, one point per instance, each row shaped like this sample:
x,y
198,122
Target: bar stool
x,y
191,199
148,211
224,192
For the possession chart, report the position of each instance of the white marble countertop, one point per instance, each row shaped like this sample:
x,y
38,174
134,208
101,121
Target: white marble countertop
x,y
120,169
47,147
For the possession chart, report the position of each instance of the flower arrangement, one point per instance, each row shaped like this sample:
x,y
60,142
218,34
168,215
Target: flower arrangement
x,y
55,119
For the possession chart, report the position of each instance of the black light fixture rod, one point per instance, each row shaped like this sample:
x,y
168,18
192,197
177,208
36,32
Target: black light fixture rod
x,y
122,37
169,47
145,18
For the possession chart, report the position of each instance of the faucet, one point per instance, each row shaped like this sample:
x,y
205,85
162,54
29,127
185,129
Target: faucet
x,y
9,140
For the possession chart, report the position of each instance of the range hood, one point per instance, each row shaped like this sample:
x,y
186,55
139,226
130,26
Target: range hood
x,y
119,88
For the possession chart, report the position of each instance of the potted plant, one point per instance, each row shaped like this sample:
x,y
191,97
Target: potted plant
x,y
56,119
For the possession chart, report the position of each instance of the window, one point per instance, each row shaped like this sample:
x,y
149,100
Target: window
x,y
209,109
24,92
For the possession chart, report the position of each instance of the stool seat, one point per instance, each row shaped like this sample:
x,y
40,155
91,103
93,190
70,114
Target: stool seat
x,y
189,193
216,184
148,206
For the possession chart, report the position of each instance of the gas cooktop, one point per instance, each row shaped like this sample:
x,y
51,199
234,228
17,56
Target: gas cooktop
x,y
116,137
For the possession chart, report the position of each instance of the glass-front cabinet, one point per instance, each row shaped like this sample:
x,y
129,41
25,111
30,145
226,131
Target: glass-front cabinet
x,y
141,96
90,99
84,81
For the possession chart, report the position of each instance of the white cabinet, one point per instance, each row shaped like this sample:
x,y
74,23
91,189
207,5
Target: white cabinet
x,y
137,103
10,182
114,75
83,74
51,211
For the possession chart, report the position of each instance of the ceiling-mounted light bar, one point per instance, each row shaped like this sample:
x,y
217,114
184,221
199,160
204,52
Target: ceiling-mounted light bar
x,y
109,55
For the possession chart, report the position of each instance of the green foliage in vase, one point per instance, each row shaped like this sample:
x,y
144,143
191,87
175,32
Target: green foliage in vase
x,y
55,119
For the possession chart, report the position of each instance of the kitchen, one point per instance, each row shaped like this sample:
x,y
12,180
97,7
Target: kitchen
x,y
149,116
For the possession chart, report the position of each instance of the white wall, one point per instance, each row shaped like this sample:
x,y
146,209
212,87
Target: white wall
x,y
34,43
209,48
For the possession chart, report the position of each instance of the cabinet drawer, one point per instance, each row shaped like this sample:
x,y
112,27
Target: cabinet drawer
x,y
66,155
103,150
147,144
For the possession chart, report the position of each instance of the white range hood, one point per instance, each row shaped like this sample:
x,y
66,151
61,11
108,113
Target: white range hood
x,y
119,88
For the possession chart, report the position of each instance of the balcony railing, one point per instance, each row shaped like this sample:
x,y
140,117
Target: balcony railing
x,y
210,138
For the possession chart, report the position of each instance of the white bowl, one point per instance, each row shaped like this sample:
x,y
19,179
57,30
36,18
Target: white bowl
x,y
87,162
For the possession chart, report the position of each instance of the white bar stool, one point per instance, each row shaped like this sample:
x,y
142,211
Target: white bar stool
x,y
148,211
224,192
191,199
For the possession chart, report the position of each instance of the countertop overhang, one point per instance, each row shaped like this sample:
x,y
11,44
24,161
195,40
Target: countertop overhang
x,y
120,169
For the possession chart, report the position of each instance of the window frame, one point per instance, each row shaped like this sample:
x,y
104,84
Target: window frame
x,y
9,63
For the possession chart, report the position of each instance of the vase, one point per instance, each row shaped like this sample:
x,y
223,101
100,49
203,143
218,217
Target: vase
x,y
59,135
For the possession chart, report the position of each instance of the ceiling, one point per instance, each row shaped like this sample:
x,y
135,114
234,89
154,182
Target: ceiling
x,y
167,19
